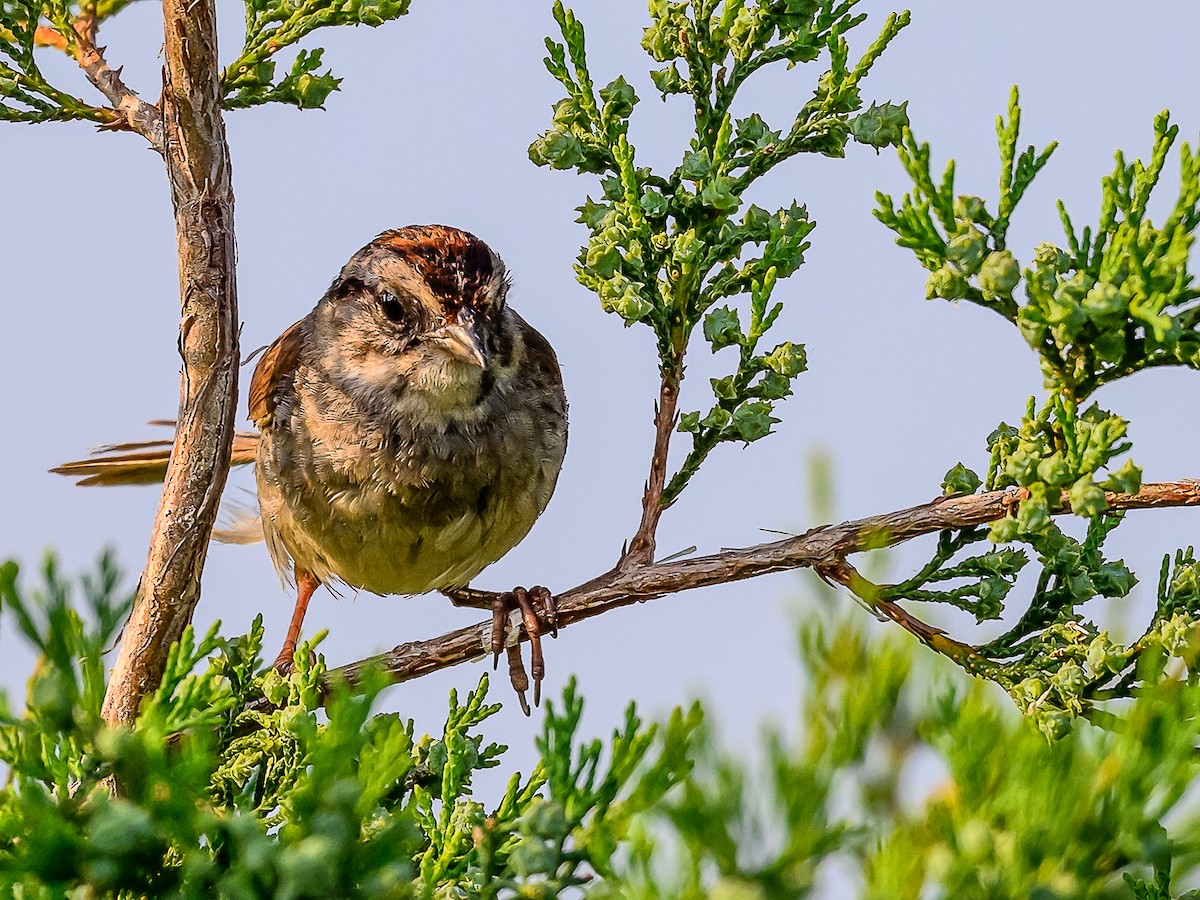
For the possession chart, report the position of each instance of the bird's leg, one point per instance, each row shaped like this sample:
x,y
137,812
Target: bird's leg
x,y
539,615
306,584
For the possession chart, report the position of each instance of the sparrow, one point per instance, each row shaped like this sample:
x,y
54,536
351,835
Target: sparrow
x,y
410,431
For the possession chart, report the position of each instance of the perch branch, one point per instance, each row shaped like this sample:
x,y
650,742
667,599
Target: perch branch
x,y
823,549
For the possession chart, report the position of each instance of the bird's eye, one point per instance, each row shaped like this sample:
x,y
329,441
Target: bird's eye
x,y
392,308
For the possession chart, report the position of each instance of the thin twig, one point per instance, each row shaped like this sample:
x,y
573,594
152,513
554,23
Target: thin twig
x,y
130,112
823,549
935,638
641,547
134,113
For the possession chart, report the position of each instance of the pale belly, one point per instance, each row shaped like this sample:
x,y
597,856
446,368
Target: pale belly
x,y
403,540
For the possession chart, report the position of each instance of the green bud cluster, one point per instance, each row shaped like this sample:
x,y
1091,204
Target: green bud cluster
x,y
999,274
1062,669
1182,591
1110,303
1043,703
1095,327
960,480
955,236
1178,636
881,125
1058,449
1076,664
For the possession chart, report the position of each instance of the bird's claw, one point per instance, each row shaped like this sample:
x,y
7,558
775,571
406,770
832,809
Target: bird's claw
x,y
539,615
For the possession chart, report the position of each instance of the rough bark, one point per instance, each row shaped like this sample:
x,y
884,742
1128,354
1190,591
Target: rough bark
x,y
198,167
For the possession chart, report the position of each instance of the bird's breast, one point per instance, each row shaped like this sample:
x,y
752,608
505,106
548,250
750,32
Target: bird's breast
x,y
404,509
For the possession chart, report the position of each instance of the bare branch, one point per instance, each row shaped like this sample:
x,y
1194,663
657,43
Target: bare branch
x,y
823,549
198,168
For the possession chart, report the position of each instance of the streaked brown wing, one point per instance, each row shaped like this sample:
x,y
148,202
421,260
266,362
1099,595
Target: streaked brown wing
x,y
276,367
540,358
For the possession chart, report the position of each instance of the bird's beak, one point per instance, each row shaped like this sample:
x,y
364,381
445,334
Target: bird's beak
x,y
464,340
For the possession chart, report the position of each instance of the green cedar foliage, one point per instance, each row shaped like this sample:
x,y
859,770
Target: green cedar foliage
x,y
903,782
1113,299
906,783
680,250
665,248
25,94
237,782
251,79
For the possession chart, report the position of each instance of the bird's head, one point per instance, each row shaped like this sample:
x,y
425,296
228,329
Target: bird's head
x,y
420,311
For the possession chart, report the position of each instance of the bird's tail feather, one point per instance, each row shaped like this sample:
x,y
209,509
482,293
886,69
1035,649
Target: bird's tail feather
x,y
143,462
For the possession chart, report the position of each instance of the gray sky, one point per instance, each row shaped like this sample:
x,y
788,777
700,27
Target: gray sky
x,y
432,125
